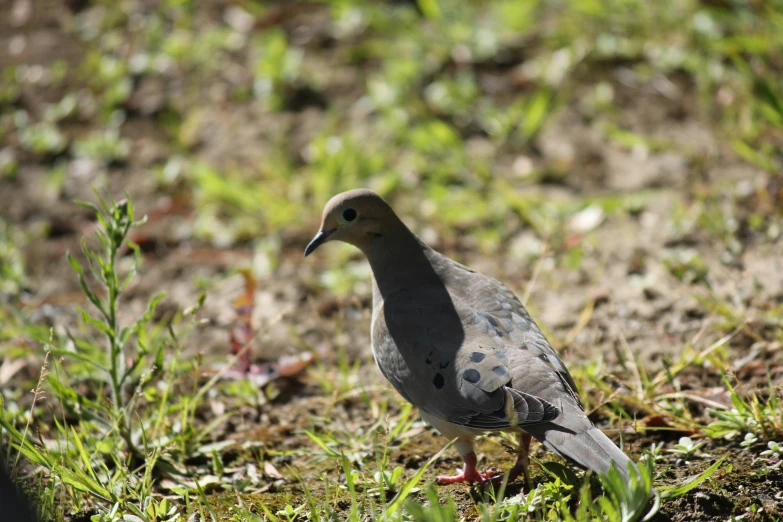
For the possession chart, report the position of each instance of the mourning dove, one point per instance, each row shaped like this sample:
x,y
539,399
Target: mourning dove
x,y
461,347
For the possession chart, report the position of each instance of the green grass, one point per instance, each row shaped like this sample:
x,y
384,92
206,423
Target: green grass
x,y
112,446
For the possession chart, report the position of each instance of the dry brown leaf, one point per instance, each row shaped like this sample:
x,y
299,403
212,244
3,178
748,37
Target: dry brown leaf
x,y
271,471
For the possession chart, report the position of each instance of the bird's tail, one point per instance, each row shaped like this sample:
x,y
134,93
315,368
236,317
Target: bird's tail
x,y
574,437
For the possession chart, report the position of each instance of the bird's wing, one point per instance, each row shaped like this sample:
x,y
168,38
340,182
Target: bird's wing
x,y
453,366
497,313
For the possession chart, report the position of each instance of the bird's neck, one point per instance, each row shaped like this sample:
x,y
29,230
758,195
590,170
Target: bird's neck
x,y
400,261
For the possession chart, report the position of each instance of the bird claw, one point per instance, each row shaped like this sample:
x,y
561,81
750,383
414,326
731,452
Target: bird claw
x,y
494,477
468,475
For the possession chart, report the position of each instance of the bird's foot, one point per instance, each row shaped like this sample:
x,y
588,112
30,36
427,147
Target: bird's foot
x,y
470,475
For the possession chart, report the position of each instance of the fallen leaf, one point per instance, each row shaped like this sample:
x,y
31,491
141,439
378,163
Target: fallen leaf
x,y
586,220
242,329
10,368
207,483
290,365
271,471
252,473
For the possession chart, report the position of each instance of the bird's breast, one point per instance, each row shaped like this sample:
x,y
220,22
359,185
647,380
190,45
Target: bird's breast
x,y
405,369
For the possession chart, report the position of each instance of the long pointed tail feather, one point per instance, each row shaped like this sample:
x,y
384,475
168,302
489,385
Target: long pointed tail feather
x,y
579,440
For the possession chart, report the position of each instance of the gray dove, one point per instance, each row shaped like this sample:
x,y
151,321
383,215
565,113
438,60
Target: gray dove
x,y
461,347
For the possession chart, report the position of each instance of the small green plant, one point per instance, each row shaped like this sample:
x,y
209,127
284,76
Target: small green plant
x,y
624,502
12,271
679,490
749,440
410,485
775,449
686,447
115,219
387,481
656,451
103,437
752,415
774,454
43,138
9,165
277,65
106,146
436,511
290,513
152,511
687,266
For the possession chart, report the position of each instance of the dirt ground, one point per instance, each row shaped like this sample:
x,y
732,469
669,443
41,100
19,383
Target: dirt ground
x,y
678,267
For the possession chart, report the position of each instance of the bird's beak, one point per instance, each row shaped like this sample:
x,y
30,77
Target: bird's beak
x,y
317,241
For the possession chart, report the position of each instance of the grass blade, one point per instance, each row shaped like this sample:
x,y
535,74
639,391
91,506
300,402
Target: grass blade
x,y
397,501
681,489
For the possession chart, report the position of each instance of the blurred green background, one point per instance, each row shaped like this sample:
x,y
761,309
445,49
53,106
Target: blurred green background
x,y
575,134
253,113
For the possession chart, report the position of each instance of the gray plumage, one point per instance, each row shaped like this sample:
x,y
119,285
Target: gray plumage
x,y
460,346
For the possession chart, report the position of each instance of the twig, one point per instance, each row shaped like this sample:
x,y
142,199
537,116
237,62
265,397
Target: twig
x,y
637,377
704,353
38,393
536,271
694,398
723,340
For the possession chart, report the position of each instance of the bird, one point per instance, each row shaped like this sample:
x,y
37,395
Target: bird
x,y
16,506
461,347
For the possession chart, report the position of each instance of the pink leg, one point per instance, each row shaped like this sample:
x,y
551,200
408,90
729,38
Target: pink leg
x,y
468,474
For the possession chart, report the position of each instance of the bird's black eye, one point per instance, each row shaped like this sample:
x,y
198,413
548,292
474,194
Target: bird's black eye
x,y
349,214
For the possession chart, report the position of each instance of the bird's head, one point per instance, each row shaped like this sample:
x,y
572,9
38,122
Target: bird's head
x,y
355,217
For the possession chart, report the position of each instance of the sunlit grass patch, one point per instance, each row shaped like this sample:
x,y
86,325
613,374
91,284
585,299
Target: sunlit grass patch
x,y
106,438
761,416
